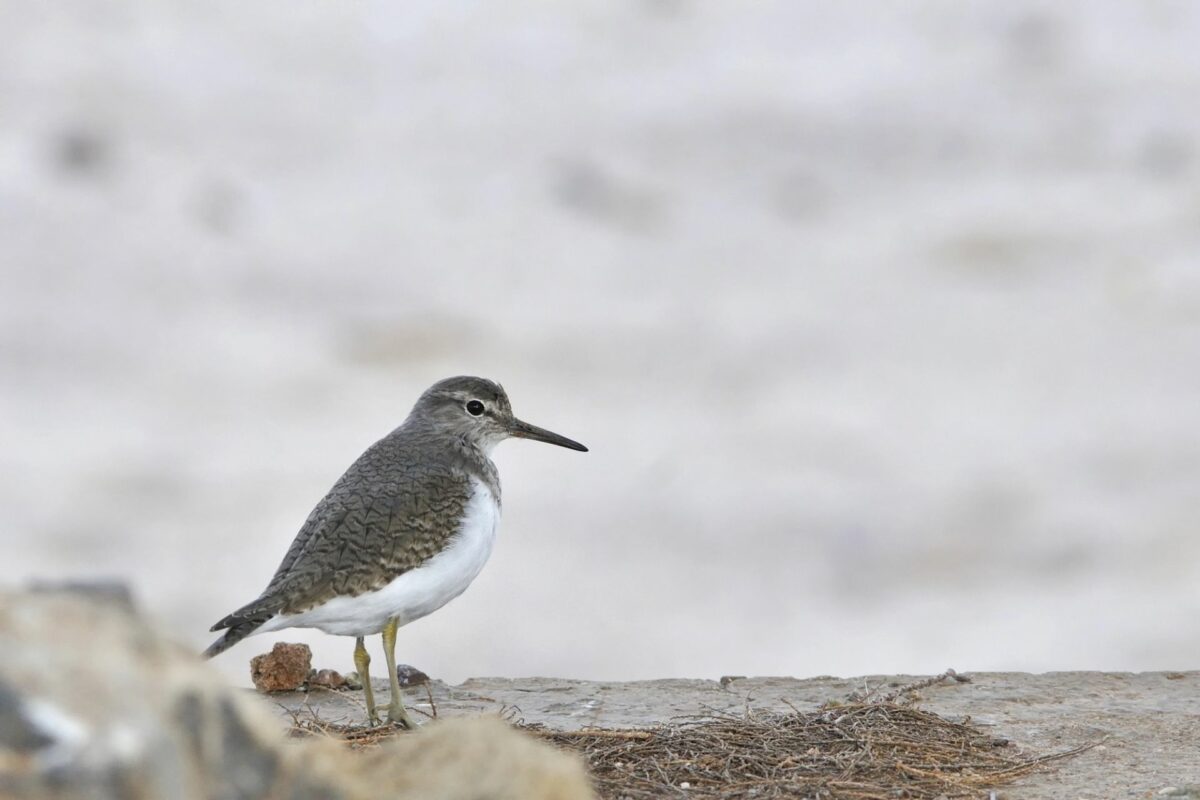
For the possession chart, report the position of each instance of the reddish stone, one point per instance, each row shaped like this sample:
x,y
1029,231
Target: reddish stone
x,y
284,669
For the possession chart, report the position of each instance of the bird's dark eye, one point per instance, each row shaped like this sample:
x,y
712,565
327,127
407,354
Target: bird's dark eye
x,y
474,408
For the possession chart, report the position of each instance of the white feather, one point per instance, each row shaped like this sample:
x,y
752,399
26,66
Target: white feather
x,y
417,592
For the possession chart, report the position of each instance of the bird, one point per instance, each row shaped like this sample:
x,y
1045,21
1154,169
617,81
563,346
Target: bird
x,y
404,531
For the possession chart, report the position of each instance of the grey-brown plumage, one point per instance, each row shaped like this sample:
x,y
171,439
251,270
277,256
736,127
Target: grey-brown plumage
x,y
386,515
396,508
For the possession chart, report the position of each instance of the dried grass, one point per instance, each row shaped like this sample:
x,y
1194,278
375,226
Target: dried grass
x,y
858,751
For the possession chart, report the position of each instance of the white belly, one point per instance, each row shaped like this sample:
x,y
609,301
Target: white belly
x,y
417,592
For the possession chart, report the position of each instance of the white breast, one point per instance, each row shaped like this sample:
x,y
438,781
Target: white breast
x,y
417,592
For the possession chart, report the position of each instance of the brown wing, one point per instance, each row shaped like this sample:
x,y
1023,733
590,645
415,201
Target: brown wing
x,y
379,521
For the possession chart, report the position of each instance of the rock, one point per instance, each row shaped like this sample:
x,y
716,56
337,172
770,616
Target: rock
x,y
458,756
100,591
95,705
19,728
284,669
326,679
410,676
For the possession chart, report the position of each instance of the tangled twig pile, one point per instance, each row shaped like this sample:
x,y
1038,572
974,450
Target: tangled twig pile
x,y
851,752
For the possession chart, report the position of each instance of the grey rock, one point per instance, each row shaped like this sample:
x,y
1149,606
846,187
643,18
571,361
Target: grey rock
x,y
102,591
95,705
18,731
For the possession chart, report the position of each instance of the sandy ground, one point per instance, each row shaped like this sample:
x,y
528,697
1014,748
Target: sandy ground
x,y
1147,723
881,322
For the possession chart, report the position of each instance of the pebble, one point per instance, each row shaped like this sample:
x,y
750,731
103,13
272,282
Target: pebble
x,y
326,679
410,676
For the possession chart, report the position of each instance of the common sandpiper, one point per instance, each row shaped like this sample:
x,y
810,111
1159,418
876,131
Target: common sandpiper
x,y
403,532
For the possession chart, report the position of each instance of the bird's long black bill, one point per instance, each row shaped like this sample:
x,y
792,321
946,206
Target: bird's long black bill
x,y
524,430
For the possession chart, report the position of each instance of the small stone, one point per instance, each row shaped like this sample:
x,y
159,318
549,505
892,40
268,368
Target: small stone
x,y
284,669
728,679
352,680
326,678
410,676
960,678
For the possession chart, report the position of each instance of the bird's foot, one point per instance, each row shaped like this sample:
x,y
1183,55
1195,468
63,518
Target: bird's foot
x,y
397,715
373,720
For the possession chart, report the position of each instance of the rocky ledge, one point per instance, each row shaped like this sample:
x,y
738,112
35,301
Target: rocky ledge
x,y
1147,724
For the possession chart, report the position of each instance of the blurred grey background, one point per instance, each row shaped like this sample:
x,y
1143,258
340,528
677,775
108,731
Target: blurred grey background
x,y
882,320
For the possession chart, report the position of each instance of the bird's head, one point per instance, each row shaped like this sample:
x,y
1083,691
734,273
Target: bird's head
x,y
478,410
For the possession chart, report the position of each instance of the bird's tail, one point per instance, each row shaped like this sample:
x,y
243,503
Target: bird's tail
x,y
236,628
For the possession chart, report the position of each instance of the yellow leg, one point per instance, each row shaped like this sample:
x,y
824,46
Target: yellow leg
x,y
396,712
362,662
